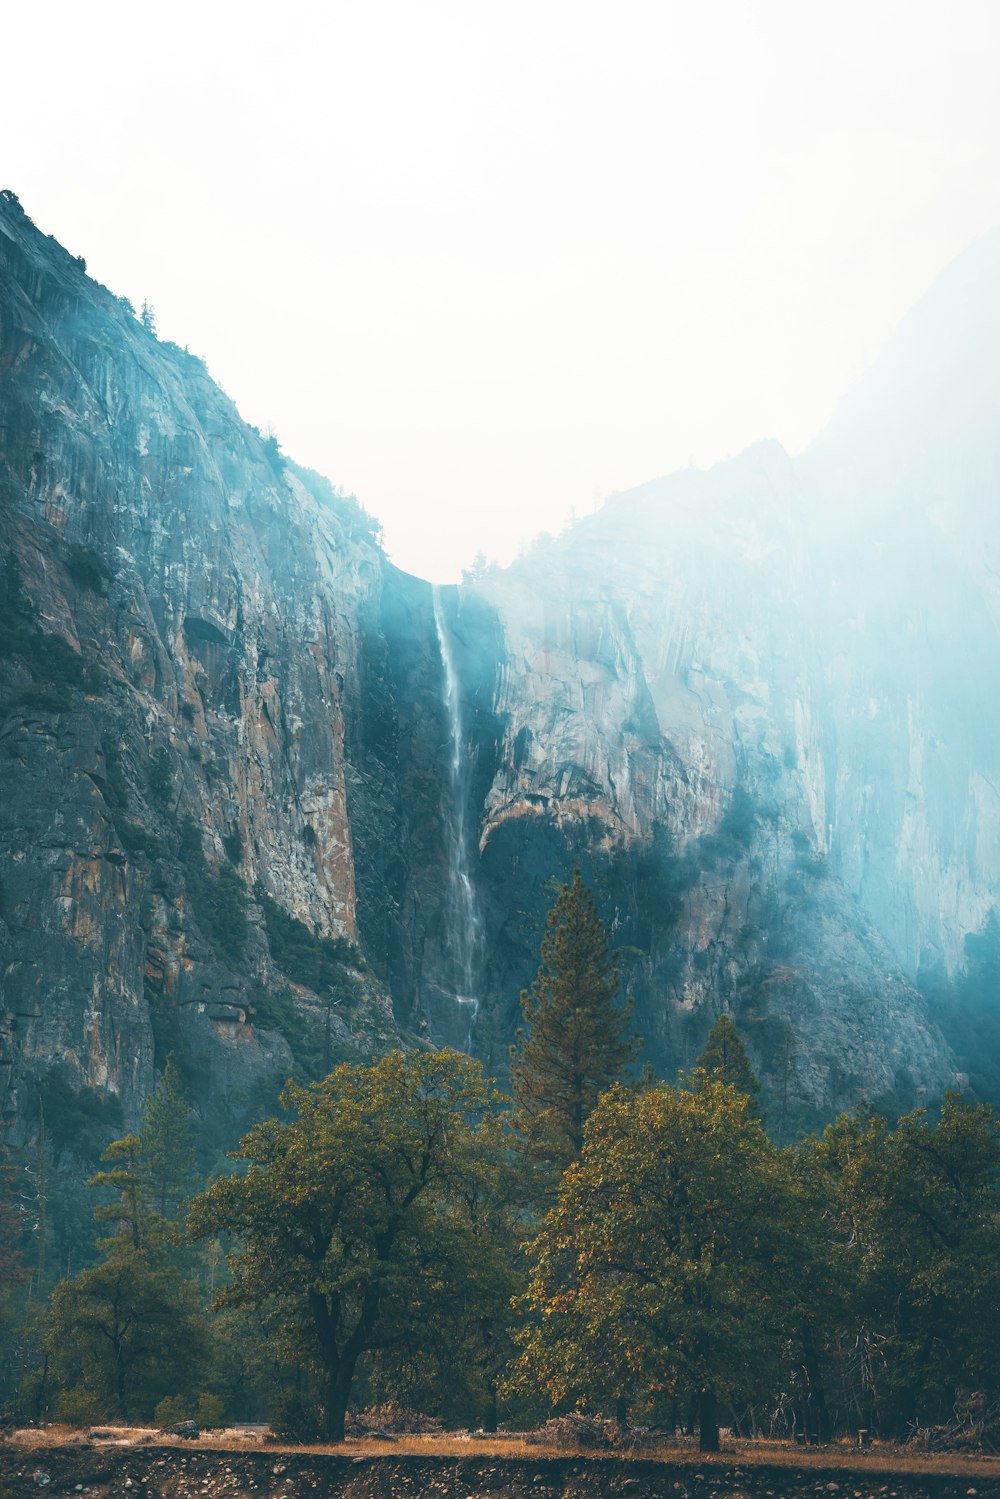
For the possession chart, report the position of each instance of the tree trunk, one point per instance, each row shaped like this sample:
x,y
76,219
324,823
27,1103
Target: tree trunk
x,y
708,1427
336,1392
691,1418
490,1414
904,1412
339,1361
821,1415
621,1412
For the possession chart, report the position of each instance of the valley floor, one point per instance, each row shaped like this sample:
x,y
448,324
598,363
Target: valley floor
x,y
142,1466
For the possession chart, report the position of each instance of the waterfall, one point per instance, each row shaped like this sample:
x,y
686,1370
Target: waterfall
x,y
463,942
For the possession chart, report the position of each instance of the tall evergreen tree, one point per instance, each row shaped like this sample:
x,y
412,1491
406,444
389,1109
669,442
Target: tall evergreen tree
x,y
126,1332
168,1143
725,1060
575,1042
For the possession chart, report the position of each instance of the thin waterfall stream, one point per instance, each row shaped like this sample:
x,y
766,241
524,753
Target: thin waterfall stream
x,y
464,924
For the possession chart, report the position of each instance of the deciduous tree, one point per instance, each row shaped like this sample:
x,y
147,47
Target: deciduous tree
x,y
659,1270
352,1218
122,1335
923,1200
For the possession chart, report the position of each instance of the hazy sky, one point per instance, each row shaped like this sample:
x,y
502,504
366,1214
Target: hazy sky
x,y
483,264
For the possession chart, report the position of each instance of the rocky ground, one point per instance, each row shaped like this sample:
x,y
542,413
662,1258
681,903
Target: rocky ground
x,y
142,1471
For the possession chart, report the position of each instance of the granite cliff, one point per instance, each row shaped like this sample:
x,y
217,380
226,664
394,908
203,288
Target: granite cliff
x,y
269,802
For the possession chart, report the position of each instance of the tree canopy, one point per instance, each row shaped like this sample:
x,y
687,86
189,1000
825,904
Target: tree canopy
x,y
657,1273
352,1220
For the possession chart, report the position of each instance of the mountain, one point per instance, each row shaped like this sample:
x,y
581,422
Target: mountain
x,y
270,803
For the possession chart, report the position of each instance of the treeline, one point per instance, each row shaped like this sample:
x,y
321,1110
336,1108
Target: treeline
x,y
633,1247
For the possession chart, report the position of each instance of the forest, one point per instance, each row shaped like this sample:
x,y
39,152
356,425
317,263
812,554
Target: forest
x,y
597,1240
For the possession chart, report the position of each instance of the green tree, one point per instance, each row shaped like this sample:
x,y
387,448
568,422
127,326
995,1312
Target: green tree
x,y
126,1333
822,1261
575,1042
658,1272
458,1373
127,1179
168,1143
150,1173
923,1200
123,1335
352,1219
725,1060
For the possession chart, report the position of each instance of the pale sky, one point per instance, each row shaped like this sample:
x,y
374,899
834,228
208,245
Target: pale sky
x,y
483,265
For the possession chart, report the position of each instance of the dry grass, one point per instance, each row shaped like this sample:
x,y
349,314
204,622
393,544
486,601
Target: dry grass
x,y
880,1457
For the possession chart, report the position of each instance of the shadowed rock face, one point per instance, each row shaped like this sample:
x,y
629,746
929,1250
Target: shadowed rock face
x,y
748,720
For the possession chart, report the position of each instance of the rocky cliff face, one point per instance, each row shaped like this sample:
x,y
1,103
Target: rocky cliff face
x,y
268,802
665,693
180,635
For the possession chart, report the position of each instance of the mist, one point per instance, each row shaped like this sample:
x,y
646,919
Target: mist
x,y
483,270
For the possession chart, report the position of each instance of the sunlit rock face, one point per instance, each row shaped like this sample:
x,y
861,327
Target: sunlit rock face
x,y
753,705
213,594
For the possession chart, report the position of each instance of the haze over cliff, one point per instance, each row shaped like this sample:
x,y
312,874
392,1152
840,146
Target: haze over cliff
x,y
269,802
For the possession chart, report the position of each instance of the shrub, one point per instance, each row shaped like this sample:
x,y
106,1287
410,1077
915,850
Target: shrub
x,y
136,839
51,659
740,818
79,1120
79,1406
115,786
173,1409
205,1410
210,1412
42,696
315,962
294,1419
161,780
219,901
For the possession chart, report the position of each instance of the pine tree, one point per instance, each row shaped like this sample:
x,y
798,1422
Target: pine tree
x,y
576,1040
168,1144
126,1178
152,1172
126,1332
725,1060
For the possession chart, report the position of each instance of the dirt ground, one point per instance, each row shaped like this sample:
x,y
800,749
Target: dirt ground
x,y
141,1466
